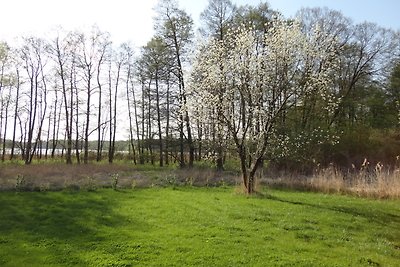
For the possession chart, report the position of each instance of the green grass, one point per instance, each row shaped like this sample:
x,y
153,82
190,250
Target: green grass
x,y
196,226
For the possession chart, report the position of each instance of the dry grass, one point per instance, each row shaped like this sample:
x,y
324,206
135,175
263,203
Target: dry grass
x,y
57,176
376,181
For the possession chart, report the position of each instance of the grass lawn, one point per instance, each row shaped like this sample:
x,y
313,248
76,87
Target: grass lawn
x,y
196,226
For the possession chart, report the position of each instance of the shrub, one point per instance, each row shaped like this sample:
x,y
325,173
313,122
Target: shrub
x,y
20,184
114,182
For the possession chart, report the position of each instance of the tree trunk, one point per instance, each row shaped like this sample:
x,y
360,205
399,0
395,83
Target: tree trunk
x,y
243,167
56,131
99,146
110,148
186,118
128,99
15,116
141,157
87,122
149,129
167,124
160,145
32,119
48,137
5,130
78,157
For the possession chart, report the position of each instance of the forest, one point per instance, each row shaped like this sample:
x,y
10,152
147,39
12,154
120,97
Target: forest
x,y
248,85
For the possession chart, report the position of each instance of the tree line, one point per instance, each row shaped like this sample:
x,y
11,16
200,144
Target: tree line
x,y
251,82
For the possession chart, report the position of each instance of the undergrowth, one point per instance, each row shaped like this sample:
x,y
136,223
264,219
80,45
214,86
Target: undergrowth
x,y
368,181
376,181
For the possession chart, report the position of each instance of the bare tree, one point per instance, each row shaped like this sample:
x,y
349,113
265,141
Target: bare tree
x,y
155,58
64,51
89,59
129,71
5,104
369,53
175,27
119,61
217,18
104,55
16,111
31,53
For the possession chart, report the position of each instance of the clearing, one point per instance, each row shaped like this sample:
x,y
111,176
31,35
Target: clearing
x,y
196,226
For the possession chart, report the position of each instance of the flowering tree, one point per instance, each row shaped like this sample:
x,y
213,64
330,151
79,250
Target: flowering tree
x,y
262,81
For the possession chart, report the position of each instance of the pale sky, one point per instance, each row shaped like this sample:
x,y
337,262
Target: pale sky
x,y
132,20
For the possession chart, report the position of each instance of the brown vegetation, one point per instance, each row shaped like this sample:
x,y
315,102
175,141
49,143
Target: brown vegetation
x,y
376,181
368,181
58,176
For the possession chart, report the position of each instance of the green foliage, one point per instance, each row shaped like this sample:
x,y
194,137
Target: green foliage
x,y
232,164
171,180
114,181
90,184
360,142
20,183
394,84
196,227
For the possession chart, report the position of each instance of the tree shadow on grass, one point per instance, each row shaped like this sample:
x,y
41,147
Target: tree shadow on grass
x,y
63,225
375,215
385,221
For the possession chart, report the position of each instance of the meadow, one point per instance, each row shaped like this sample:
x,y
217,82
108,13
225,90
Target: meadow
x,y
196,226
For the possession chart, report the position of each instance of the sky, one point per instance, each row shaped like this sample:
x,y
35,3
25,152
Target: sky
x,y
132,20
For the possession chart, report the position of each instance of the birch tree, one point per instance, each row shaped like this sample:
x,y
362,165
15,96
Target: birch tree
x,y
32,54
93,49
64,50
119,60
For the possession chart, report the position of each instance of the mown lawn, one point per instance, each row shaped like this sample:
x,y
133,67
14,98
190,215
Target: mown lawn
x,y
196,226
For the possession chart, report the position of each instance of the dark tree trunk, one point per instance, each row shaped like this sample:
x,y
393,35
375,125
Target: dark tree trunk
x,y
131,139
5,129
99,145
160,143
167,123
15,117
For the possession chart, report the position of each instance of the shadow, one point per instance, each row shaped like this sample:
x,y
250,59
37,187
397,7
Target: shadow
x,y
65,225
354,209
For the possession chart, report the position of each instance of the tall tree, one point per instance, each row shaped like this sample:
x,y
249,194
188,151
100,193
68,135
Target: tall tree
x,y
155,56
175,27
58,106
5,99
92,48
394,91
129,72
4,62
64,48
32,54
217,18
119,60
16,110
367,55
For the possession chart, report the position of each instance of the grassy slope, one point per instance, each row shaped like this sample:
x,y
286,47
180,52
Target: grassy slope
x,y
196,226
